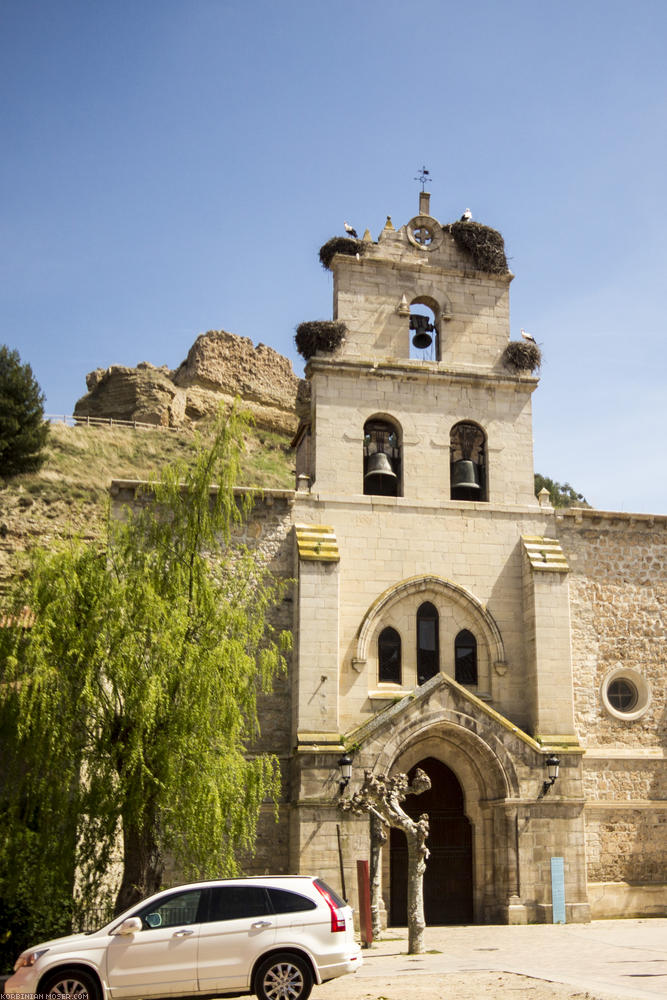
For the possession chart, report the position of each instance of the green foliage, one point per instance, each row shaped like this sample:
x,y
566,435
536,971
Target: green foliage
x,y
560,494
132,699
23,431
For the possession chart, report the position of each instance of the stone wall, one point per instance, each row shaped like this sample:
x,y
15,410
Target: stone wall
x,y
627,845
618,600
384,541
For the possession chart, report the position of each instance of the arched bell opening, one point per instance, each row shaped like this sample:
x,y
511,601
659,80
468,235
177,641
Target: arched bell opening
x,y
467,445
448,880
382,459
424,333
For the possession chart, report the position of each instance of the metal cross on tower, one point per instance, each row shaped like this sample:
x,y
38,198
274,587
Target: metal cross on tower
x,y
424,177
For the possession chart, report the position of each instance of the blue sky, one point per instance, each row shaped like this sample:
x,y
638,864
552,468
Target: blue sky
x,y
173,166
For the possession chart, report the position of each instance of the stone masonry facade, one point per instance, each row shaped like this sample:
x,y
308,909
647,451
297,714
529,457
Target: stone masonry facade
x,y
618,591
445,617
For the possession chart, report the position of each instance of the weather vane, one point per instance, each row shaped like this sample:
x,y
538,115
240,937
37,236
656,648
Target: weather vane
x,y
424,177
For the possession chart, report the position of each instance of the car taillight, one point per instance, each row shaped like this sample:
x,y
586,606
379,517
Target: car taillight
x,y
337,921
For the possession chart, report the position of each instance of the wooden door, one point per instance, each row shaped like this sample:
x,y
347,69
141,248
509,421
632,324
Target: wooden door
x,y
448,877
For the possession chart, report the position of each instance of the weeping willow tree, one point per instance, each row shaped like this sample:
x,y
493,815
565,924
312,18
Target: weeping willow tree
x,y
130,699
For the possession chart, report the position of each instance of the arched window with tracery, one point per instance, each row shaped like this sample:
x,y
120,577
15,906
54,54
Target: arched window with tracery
x,y
468,472
428,642
465,658
389,656
382,458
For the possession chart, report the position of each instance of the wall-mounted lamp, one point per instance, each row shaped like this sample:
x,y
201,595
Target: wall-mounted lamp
x,y
345,765
552,764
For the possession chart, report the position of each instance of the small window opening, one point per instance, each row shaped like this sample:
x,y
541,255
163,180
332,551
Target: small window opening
x,y
428,644
622,695
465,658
467,445
424,344
382,459
389,656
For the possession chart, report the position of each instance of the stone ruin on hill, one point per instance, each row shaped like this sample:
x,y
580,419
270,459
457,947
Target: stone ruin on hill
x,y
219,366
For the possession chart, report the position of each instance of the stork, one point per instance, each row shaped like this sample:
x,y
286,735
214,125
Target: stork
x,y
528,336
350,230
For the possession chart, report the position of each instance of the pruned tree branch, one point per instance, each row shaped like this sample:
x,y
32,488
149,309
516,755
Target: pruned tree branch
x,y
381,797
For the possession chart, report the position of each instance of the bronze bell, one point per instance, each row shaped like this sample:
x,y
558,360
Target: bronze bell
x,y
465,475
379,465
421,341
422,338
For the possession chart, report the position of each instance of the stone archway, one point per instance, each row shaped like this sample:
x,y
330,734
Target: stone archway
x,y
448,881
486,785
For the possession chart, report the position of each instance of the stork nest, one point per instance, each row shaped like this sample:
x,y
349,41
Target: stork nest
x,y
339,244
485,245
319,335
522,356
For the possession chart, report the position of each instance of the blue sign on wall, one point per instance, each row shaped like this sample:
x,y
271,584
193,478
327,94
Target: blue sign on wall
x,y
558,891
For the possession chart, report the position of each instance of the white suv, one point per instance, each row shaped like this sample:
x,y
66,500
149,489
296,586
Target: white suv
x,y
272,936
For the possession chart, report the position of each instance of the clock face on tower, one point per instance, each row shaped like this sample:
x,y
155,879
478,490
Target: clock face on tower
x,y
424,232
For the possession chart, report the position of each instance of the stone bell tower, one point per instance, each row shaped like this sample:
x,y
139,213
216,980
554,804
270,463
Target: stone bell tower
x,y
421,419
381,295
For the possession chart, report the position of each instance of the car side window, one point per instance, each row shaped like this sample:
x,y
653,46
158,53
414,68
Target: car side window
x,y
284,901
233,902
181,908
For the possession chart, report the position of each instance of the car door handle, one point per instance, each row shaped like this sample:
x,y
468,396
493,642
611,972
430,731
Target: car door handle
x,y
183,933
261,923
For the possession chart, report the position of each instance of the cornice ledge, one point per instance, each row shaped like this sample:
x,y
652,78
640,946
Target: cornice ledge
x,y
415,370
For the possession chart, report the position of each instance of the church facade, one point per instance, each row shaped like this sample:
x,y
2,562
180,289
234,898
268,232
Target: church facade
x,y
445,617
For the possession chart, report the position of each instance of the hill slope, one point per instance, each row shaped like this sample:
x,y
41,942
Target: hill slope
x,y
68,496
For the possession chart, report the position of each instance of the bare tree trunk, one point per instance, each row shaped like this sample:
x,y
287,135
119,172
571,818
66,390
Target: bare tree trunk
x,y
143,866
378,839
416,869
381,797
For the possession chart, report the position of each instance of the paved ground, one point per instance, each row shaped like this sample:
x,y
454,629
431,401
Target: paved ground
x,y
605,959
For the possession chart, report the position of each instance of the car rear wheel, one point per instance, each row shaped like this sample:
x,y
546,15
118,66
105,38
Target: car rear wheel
x,y
283,977
72,983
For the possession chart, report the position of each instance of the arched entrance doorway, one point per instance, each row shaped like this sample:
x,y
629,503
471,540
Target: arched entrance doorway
x,y
448,887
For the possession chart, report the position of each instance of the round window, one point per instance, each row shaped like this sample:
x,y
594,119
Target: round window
x,y
622,694
625,694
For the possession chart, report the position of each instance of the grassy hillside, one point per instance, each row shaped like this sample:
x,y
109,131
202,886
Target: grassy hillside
x,y
69,493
